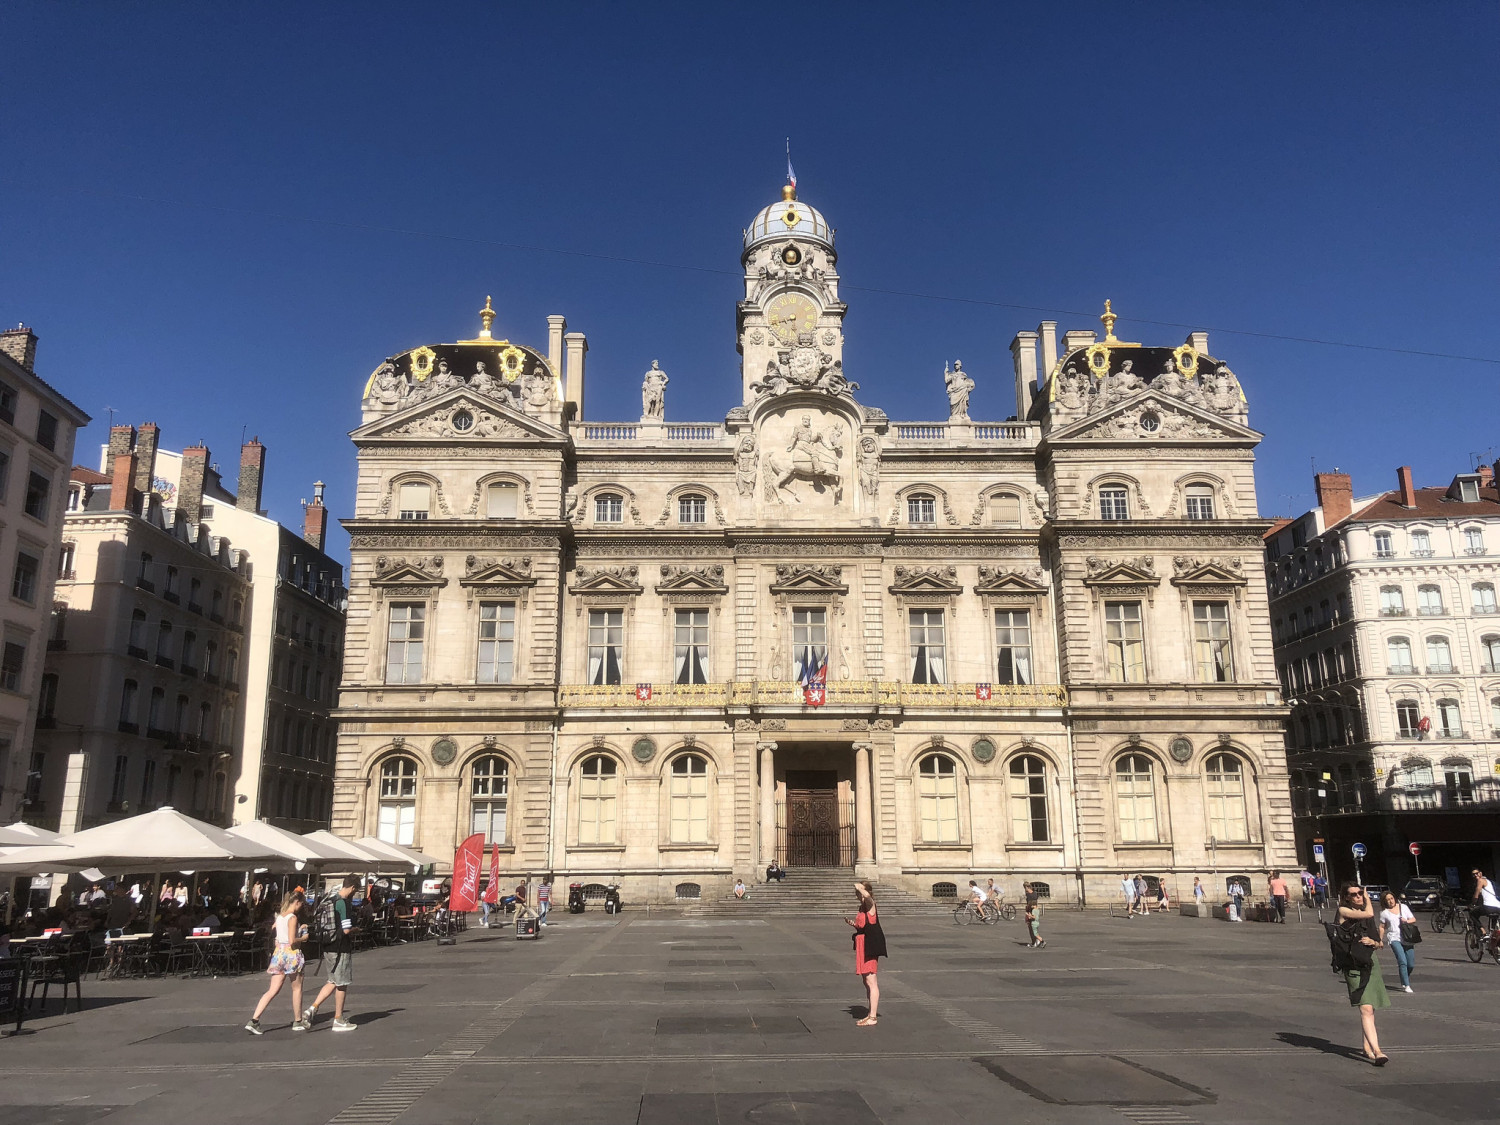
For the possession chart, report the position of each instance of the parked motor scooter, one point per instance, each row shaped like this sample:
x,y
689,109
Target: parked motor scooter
x,y
575,898
612,904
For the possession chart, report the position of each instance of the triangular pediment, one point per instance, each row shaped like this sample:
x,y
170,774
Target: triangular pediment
x,y
793,578
408,573
460,415
926,580
692,580
1188,571
497,572
1004,580
1173,420
1120,572
606,580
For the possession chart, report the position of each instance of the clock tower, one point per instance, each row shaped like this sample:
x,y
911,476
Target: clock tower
x,y
791,291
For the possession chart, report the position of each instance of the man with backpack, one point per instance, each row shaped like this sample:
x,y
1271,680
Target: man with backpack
x,y
335,931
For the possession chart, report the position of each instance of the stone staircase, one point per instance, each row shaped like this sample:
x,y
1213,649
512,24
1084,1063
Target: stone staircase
x,y
812,891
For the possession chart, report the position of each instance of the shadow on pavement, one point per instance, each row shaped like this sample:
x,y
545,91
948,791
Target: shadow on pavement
x,y
1327,1046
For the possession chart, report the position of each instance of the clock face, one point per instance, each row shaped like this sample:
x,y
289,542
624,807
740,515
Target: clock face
x,y
790,314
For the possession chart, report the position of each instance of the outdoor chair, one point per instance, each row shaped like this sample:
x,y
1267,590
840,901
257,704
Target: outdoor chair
x,y
64,968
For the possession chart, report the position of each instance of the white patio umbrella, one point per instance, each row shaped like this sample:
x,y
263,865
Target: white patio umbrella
x,y
28,833
292,850
399,852
355,857
163,840
12,838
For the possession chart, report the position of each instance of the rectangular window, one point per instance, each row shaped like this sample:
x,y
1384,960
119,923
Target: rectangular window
x,y
33,791
1392,603
809,641
1200,502
1421,544
1430,601
122,774
8,399
1407,719
1113,504
1383,548
4,473
1484,598
415,501
12,665
497,642
606,646
23,580
398,823
921,509
609,508
502,500
403,649
1211,642
692,509
1013,646
38,489
927,646
1005,510
46,430
690,647
1125,642
148,784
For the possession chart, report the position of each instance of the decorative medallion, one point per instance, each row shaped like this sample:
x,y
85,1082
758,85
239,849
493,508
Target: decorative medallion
x,y
1187,360
421,363
462,421
1181,749
830,337
512,361
791,218
756,336
1098,358
1150,422
791,255
643,750
444,750
983,750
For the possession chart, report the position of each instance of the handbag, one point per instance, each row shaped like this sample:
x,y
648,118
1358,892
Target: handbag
x,y
1411,933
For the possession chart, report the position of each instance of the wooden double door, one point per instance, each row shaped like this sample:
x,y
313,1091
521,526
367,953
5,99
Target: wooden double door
x,y
818,832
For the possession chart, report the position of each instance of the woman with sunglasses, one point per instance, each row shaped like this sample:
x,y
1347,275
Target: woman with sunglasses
x,y
1363,979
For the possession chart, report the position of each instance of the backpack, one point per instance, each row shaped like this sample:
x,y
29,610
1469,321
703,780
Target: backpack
x,y
325,925
1346,951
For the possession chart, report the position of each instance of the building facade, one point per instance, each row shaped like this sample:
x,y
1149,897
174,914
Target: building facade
x,y
168,680
668,652
1388,649
37,430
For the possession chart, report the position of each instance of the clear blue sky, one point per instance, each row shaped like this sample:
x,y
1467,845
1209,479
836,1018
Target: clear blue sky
x,y
222,218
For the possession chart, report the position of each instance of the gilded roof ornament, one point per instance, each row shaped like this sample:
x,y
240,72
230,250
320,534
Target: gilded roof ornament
x,y
1109,318
486,318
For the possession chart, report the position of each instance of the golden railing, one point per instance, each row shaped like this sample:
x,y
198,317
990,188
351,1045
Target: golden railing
x,y
840,693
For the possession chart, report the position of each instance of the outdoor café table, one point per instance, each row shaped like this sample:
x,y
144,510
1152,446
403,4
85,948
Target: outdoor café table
x,y
127,953
208,948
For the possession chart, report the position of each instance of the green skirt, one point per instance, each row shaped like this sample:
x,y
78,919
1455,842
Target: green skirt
x,y
1367,986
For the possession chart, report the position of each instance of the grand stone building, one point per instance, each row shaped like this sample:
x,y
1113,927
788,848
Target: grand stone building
x,y
604,644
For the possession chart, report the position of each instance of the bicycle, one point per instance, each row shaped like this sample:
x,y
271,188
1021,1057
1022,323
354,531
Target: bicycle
x,y
1002,910
1480,939
1448,914
966,912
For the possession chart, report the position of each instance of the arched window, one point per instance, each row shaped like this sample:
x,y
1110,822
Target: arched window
x,y
1392,602
1227,819
398,801
1420,792
1430,601
489,790
414,500
921,508
1135,799
1028,800
500,500
1450,719
1484,597
1489,653
692,508
1114,502
1005,510
1200,501
1439,655
1398,655
688,796
596,800
609,507
937,796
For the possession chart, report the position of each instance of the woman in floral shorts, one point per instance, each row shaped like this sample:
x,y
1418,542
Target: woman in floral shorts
x,y
286,963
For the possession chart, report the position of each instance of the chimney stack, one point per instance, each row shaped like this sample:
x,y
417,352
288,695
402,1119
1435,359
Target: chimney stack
x,y
557,327
1047,330
1486,475
190,486
145,457
20,344
122,494
252,468
121,441
1408,493
1335,496
1023,355
577,346
315,518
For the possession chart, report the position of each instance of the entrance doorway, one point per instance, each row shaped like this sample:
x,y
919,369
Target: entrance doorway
x,y
815,835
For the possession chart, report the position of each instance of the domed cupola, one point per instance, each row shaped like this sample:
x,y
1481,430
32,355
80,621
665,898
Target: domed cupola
x,y
789,218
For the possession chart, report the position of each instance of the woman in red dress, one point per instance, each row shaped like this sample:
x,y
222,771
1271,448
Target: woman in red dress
x,y
869,945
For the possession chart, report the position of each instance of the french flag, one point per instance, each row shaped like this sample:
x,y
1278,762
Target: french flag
x,y
815,680
791,175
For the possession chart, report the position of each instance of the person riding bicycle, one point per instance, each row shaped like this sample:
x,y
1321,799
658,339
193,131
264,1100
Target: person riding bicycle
x,y
977,897
1485,903
993,893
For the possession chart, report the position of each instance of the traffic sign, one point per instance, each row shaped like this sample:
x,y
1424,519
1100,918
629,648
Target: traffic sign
x,y
1415,849
1318,852
1358,850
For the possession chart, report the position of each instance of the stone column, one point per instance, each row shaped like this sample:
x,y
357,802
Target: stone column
x,y
864,807
767,805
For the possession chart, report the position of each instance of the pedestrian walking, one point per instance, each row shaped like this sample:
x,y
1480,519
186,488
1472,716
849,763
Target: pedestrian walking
x,y
1199,894
1320,890
287,962
341,971
1362,977
1033,917
544,898
1140,894
1237,900
1163,900
1394,918
1127,888
1277,886
869,947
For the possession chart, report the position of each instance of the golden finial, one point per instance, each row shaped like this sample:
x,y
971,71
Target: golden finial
x,y
788,192
486,318
1109,318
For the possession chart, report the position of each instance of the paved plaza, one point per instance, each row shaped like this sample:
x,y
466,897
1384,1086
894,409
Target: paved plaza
x,y
664,1020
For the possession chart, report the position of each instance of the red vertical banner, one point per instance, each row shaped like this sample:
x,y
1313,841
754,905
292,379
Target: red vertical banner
x,y
492,892
467,861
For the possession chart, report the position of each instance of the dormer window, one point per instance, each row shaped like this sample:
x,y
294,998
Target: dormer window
x,y
609,507
1114,503
692,508
1468,490
415,501
921,508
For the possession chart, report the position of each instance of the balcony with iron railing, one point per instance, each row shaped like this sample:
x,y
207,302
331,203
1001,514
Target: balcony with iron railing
x,y
1393,611
838,693
1476,550
1467,794
1440,669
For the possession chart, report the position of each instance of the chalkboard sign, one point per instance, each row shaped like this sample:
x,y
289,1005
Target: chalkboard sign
x,y
12,988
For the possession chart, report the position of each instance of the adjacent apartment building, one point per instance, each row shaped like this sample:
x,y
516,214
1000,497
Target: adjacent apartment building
x,y
668,652
197,643
37,429
1388,650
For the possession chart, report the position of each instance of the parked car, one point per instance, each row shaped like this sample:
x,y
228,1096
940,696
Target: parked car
x,y
1423,893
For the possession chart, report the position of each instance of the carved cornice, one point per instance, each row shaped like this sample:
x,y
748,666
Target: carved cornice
x,y
707,580
614,581
926,581
392,539
802,578
420,575
997,582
